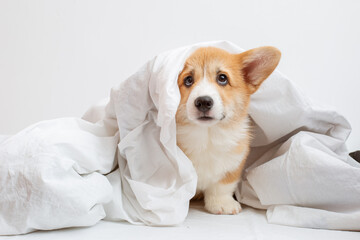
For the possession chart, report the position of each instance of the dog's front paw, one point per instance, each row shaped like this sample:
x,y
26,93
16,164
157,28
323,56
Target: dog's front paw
x,y
224,205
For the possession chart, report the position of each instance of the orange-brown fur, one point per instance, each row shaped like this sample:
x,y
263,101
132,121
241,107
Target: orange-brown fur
x,y
231,65
235,175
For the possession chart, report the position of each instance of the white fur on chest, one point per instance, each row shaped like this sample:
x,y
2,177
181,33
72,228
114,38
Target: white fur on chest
x,y
211,150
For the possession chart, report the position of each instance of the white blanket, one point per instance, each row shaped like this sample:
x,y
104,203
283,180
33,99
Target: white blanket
x,y
121,161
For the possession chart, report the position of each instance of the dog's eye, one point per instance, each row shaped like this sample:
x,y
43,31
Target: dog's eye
x,y
222,79
188,81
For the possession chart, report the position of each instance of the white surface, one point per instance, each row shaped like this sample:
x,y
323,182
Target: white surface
x,y
3,138
249,224
61,173
52,50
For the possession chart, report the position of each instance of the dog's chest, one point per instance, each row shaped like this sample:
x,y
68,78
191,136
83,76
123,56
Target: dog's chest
x,y
212,151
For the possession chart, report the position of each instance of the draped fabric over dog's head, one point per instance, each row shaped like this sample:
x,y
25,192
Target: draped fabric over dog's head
x,y
121,161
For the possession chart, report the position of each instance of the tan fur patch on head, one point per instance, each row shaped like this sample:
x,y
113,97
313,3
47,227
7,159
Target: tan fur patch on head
x,y
209,62
245,73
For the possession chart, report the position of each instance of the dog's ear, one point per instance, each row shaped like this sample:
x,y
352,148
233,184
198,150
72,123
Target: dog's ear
x,y
257,64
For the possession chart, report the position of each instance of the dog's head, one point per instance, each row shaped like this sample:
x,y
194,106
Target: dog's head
x,y
215,86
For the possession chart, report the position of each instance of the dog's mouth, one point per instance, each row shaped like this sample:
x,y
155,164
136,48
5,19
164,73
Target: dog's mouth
x,y
205,118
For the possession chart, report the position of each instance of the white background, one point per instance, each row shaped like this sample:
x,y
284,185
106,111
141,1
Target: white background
x,y
59,57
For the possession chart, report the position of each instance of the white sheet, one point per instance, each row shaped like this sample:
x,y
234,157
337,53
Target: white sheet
x,y
3,138
63,173
250,224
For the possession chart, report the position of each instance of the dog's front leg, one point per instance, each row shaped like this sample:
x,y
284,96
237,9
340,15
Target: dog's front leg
x,y
219,199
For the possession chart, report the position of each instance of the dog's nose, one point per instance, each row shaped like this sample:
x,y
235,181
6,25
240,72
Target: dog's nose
x,y
204,103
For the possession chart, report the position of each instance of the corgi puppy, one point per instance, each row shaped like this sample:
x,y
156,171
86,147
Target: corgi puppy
x,y
212,119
